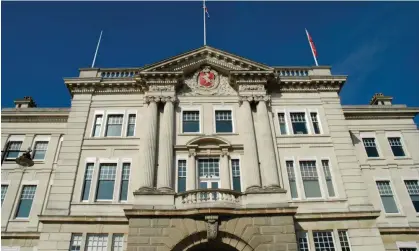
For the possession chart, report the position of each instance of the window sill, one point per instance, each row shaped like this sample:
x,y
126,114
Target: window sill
x,y
317,200
101,203
375,158
402,158
20,220
303,135
224,133
112,138
190,134
398,215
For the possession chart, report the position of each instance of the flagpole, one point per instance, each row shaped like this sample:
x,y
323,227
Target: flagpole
x,y
312,52
205,26
97,48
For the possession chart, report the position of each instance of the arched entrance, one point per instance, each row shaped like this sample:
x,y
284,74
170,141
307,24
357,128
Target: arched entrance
x,y
212,246
224,242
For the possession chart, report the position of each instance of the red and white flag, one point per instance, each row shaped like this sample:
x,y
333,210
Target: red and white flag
x,y
313,48
206,11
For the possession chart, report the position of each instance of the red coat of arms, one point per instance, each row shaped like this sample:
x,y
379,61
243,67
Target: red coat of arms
x,y
206,78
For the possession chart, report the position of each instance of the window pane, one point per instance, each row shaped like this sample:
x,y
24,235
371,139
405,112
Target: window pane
x,y
25,203
126,169
344,242
39,150
208,167
298,121
303,241
282,123
97,242
3,192
328,177
87,181
413,190
190,121
96,127
396,147
235,165
291,178
181,176
370,147
131,125
106,182
315,122
75,244
310,179
323,241
387,197
114,126
223,121
117,242
13,149
408,249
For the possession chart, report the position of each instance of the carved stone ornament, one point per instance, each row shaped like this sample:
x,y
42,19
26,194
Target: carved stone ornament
x,y
206,82
255,98
251,88
162,88
212,226
155,98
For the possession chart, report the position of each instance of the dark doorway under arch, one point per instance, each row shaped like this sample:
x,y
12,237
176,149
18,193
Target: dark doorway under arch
x,y
212,246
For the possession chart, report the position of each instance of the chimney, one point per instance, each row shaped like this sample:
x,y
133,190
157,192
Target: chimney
x,y
380,99
25,102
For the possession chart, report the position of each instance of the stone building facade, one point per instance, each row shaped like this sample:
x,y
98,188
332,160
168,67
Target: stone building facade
x,y
210,151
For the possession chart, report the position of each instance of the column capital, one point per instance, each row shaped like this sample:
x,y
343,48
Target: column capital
x,y
225,152
192,152
159,98
254,98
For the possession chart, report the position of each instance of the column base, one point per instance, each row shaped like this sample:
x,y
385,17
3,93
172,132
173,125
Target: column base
x,y
166,190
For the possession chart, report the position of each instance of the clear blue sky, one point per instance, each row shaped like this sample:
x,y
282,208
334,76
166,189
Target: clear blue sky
x,y
375,43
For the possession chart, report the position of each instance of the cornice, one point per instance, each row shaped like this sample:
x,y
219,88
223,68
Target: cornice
x,y
83,219
20,235
337,215
35,115
132,213
103,86
379,112
399,230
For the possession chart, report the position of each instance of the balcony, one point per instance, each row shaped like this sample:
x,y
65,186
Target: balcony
x,y
208,198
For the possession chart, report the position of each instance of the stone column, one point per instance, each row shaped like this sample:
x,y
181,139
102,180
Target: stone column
x,y
251,164
148,147
191,171
225,170
164,172
268,168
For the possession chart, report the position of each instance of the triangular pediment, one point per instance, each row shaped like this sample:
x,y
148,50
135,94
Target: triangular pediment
x,y
206,55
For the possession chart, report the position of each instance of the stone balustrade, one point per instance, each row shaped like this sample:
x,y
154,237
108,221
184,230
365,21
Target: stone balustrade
x,y
121,73
293,72
209,195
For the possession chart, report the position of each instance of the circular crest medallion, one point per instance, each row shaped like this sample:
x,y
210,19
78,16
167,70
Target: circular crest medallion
x,y
208,79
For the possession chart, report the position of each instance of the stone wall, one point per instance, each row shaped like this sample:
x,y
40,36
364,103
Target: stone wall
x,y
242,233
390,240
24,244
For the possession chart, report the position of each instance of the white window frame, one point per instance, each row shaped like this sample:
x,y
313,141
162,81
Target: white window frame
x,y
318,121
197,170
223,108
238,157
363,135
191,108
320,177
335,244
17,200
97,112
287,125
15,138
93,183
298,178
308,126
398,134
186,158
119,181
39,138
332,173
115,190
307,235
407,244
403,179
5,183
336,233
130,112
123,129
396,198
